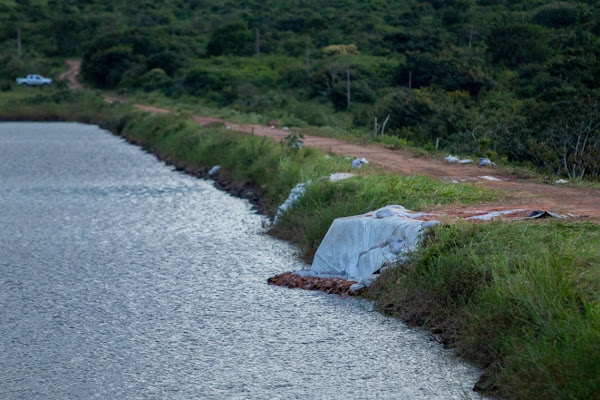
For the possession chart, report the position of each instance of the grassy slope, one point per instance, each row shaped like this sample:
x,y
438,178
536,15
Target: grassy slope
x,y
521,298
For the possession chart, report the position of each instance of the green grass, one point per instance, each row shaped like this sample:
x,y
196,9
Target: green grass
x,y
521,298
307,223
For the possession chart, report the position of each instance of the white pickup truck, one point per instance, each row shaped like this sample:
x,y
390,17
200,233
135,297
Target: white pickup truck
x,y
34,80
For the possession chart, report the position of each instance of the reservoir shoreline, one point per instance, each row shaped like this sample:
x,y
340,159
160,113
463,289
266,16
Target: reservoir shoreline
x,y
447,286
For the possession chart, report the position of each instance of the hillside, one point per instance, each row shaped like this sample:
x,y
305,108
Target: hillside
x,y
514,81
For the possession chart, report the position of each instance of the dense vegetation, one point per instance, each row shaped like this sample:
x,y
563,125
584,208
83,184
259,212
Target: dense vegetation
x,y
520,298
511,80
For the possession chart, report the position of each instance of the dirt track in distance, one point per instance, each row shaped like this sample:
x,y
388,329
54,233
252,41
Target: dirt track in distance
x,y
523,194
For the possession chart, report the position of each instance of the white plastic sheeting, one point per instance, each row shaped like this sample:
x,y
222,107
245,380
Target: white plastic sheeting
x,y
358,162
485,162
340,176
295,194
300,189
494,214
454,159
490,178
214,170
356,247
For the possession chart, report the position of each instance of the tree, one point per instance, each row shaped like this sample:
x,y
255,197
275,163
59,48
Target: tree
x,y
575,137
229,39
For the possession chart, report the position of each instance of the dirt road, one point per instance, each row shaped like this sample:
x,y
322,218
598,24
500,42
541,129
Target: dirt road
x,y
523,194
71,74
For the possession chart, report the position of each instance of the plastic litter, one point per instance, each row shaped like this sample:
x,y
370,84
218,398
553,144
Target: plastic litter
x,y
490,178
494,214
214,170
285,128
300,189
340,176
561,181
358,162
456,160
295,194
358,246
484,162
543,214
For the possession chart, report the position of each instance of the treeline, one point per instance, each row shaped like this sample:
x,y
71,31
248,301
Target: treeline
x,y
514,80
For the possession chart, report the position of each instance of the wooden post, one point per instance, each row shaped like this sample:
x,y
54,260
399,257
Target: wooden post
x,y
348,86
257,44
471,36
19,41
409,84
375,129
383,125
307,60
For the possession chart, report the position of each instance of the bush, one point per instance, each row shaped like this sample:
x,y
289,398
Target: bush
x,y
155,79
556,15
229,39
518,43
200,80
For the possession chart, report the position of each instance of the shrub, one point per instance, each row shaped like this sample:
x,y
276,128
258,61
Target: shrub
x,y
229,39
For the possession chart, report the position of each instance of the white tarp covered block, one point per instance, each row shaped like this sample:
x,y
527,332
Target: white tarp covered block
x,y
356,247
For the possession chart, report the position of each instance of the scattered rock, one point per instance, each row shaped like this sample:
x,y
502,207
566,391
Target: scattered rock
x,y
487,382
328,285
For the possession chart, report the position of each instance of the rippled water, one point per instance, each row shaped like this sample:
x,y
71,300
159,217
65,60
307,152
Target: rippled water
x,y
123,279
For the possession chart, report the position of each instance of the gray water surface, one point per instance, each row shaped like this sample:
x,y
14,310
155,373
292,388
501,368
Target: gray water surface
x,y
123,279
